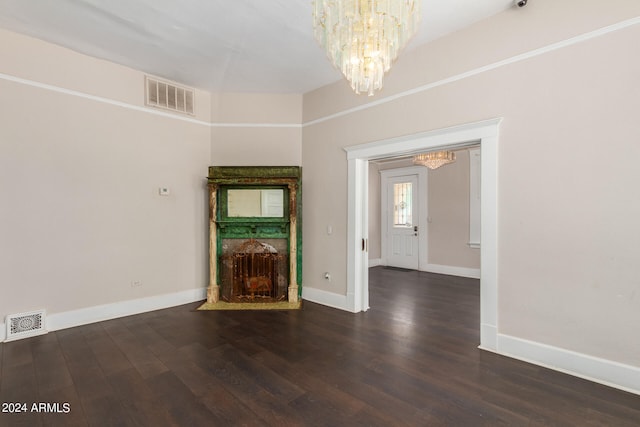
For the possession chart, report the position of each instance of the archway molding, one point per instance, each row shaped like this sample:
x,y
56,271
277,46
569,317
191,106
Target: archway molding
x,y
484,133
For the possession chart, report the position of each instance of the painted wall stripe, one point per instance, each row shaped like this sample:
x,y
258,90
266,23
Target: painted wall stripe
x,y
104,100
142,109
518,58
514,59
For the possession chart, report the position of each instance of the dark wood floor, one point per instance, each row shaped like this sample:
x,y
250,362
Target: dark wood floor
x,y
412,359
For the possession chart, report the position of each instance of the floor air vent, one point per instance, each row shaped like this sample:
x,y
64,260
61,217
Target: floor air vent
x,y
168,96
25,325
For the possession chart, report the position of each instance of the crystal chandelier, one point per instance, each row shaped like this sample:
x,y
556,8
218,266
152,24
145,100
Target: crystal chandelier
x,y
363,37
434,159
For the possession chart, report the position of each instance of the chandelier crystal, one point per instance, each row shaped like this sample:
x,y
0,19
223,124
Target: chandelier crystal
x,y
434,159
362,38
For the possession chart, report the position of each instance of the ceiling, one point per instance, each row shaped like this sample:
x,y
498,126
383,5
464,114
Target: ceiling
x,y
219,45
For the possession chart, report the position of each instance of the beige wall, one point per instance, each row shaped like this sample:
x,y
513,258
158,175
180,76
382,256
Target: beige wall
x,y
256,146
448,218
256,130
81,217
567,220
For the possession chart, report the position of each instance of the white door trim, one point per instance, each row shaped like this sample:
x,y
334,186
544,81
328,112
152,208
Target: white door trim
x,y
485,133
422,174
358,232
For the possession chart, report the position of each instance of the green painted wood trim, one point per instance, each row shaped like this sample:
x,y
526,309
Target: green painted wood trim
x,y
252,230
264,177
239,172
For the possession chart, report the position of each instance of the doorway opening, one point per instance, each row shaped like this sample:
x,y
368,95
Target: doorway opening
x,y
484,134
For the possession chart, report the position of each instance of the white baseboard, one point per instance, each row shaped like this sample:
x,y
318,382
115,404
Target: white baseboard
x,y
451,270
99,313
473,273
83,316
603,371
374,262
326,298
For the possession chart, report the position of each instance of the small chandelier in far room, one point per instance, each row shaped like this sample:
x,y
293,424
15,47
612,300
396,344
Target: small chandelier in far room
x,y
363,37
434,159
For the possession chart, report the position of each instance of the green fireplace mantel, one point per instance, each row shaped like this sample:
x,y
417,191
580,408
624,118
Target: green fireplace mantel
x,y
253,174
287,225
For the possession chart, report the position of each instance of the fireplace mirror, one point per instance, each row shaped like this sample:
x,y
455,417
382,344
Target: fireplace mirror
x,y
255,203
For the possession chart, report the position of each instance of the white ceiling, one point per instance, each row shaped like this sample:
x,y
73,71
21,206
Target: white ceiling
x,y
218,45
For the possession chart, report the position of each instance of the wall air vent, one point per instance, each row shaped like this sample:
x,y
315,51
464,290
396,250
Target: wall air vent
x,y
168,96
24,325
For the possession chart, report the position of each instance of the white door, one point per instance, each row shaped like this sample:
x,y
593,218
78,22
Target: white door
x,y
402,222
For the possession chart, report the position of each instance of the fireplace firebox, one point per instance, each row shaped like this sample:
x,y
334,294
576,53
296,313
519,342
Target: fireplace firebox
x,y
254,272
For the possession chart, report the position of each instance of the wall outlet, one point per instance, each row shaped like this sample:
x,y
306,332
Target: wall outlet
x,y
136,283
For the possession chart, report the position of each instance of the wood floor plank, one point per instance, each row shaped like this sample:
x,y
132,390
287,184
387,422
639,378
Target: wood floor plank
x,y
138,355
229,410
411,360
272,382
51,367
110,358
108,411
325,402
187,364
18,385
243,386
149,338
180,404
28,419
61,407
381,406
195,378
85,370
16,353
